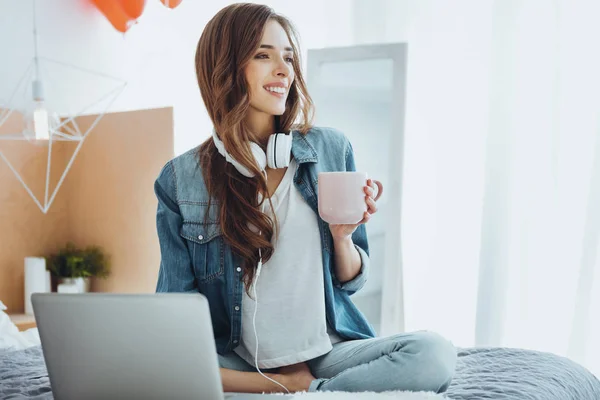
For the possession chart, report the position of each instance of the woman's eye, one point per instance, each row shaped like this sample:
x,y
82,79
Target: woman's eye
x,y
264,56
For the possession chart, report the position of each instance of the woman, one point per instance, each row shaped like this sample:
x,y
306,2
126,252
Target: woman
x,y
245,202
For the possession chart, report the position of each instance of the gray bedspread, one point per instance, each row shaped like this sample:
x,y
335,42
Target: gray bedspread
x,y
481,373
23,375
502,373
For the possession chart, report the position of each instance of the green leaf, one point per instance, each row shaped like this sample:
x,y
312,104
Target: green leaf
x,y
73,262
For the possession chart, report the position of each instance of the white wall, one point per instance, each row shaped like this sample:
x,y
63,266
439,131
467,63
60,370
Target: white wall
x,y
156,56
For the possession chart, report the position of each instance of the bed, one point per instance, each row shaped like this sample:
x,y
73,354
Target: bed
x,y
503,373
481,373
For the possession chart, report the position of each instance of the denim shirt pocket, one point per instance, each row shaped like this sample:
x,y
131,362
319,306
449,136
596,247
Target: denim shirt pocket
x,y
205,243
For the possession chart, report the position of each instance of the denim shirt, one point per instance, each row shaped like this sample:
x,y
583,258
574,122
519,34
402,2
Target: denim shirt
x,y
196,258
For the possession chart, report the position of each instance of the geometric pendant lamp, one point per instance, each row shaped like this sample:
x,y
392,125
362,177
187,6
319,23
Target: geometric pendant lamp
x,y
30,104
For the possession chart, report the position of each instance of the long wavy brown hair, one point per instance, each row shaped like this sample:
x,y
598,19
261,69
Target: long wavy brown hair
x,y
226,45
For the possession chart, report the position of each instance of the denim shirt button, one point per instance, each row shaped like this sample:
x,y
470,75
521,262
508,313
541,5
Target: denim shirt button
x,y
237,308
235,341
200,237
238,269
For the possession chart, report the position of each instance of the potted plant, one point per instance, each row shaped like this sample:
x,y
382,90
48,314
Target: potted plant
x,y
75,266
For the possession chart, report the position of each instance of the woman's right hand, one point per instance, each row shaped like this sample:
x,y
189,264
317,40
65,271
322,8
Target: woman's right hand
x,y
296,377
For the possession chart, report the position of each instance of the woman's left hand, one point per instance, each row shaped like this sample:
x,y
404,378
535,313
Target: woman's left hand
x,y
345,231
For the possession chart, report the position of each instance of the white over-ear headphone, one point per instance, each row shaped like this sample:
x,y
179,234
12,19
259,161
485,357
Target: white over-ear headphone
x,y
278,153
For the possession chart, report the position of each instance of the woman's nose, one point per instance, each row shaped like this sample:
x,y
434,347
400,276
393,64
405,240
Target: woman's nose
x,y
283,69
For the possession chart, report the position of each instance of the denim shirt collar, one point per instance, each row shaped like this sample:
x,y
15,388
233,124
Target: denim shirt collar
x,y
302,150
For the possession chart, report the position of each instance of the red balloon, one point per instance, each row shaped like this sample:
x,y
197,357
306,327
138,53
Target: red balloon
x,y
133,8
171,3
113,11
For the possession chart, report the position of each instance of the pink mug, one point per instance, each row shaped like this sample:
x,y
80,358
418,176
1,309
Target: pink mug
x,y
342,197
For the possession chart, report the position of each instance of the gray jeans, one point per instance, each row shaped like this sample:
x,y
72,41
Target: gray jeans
x,y
418,361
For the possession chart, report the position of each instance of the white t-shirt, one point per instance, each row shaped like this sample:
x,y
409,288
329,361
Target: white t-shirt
x,y
290,321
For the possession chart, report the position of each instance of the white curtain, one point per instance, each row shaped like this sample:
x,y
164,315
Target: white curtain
x,y
501,207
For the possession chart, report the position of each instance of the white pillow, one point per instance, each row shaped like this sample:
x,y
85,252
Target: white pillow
x,y
11,338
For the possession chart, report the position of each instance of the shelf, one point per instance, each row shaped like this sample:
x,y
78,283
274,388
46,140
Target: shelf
x,y
23,321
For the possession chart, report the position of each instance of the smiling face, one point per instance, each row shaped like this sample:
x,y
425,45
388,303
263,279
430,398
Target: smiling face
x,y
270,71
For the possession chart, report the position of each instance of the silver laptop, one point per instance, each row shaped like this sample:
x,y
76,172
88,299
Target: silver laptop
x,y
130,346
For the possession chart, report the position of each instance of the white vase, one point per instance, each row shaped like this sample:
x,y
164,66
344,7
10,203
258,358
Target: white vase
x,y
73,285
36,280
